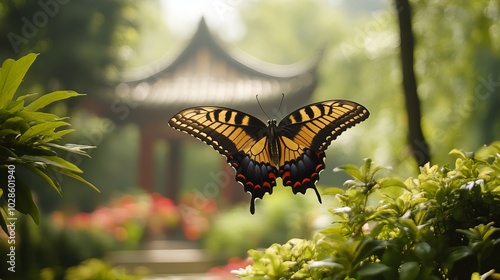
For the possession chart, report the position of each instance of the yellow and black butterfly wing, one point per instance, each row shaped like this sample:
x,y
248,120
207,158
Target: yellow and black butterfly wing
x,y
306,133
240,137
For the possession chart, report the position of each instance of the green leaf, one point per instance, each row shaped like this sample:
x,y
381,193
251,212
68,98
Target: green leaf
x,y
54,161
391,182
15,106
332,191
57,135
40,129
8,131
367,247
22,97
38,116
79,178
392,256
424,251
365,168
49,98
11,76
461,153
327,263
13,122
351,170
409,271
369,269
458,253
73,148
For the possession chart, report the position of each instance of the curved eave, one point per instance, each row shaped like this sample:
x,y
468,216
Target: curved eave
x,y
234,57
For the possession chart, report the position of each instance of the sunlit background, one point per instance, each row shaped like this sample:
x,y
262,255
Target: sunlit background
x,y
93,46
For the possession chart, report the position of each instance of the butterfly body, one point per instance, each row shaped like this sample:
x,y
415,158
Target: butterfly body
x,y
271,141
260,153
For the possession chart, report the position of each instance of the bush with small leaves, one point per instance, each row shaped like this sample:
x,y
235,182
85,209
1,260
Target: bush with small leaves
x,y
439,225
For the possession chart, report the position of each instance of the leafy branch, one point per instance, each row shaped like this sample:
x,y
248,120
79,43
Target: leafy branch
x,y
29,139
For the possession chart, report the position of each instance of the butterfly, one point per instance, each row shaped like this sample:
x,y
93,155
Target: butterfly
x,y
294,149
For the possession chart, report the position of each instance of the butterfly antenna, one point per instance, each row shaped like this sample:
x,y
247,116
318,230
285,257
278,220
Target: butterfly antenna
x,y
279,108
260,105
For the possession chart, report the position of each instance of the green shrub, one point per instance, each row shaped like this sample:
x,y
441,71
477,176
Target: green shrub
x,y
439,225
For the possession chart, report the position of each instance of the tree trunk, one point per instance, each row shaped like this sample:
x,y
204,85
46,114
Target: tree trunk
x,y
416,141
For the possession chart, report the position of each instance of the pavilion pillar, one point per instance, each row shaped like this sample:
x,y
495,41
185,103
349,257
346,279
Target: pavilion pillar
x,y
174,164
146,159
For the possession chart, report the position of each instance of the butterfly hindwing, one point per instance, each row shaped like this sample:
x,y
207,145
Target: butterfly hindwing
x,y
239,137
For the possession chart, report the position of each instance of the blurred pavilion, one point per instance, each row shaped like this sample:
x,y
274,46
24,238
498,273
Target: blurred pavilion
x,y
204,72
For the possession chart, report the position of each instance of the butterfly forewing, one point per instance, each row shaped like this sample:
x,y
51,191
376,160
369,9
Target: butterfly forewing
x,y
315,126
226,130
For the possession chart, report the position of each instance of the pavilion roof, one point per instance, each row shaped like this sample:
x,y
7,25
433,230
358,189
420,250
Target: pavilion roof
x,y
206,72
